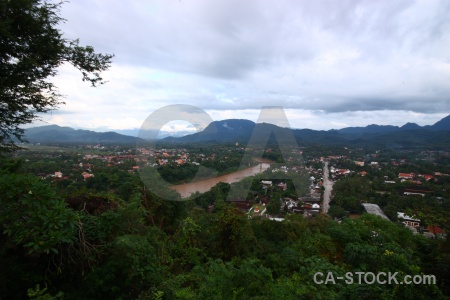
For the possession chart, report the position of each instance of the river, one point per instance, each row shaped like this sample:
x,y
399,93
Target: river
x,y
202,186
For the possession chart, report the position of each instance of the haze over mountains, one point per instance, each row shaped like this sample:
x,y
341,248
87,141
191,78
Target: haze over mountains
x,y
409,134
58,134
237,130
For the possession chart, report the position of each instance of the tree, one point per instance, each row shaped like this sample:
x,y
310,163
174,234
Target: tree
x,y
274,206
33,216
31,50
337,211
234,235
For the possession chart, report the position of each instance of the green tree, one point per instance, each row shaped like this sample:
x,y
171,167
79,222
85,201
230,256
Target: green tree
x,y
337,211
31,50
274,206
235,236
33,216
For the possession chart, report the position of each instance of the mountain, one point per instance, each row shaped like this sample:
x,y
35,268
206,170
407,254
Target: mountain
x,y
408,135
225,131
241,131
58,134
237,130
369,129
410,126
443,124
162,133
352,132
130,132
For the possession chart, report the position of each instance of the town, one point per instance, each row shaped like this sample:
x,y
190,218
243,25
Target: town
x,y
402,186
157,215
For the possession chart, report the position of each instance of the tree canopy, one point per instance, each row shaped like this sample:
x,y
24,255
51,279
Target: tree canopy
x,y
31,50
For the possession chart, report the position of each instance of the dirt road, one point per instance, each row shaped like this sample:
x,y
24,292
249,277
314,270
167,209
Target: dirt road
x,y
328,185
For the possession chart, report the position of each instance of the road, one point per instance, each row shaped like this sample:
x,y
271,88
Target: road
x,y
328,185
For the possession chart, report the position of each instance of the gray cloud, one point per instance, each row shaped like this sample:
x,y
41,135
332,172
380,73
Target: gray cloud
x,y
328,56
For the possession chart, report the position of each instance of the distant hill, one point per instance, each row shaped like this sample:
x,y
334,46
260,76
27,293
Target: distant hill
x,y
443,124
408,135
225,131
238,130
369,129
58,134
410,126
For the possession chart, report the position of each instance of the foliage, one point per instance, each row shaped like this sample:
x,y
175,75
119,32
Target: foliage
x,y
38,294
33,216
337,211
350,192
274,206
234,234
132,266
132,244
31,50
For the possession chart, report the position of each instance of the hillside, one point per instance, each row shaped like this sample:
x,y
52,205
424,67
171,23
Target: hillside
x,y
241,131
58,134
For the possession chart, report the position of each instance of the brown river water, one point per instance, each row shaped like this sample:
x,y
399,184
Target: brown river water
x,y
202,186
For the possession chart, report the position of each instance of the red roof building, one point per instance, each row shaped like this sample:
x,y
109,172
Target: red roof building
x,y
428,177
406,175
434,229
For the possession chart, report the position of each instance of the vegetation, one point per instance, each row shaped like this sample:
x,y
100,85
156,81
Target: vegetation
x,y
109,237
31,49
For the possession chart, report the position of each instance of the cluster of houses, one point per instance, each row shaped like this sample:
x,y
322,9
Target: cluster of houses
x,y
307,205
339,172
410,222
415,189
59,175
418,178
167,156
415,225
56,175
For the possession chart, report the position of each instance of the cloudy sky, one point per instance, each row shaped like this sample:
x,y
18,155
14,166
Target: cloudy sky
x,y
329,64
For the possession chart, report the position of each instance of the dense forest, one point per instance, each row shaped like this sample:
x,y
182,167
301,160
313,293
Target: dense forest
x,y
110,237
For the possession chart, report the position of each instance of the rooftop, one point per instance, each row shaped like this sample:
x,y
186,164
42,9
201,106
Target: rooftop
x,y
374,209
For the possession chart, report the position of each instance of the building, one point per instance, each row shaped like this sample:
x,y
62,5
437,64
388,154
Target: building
x,y
415,190
86,175
374,209
407,220
406,175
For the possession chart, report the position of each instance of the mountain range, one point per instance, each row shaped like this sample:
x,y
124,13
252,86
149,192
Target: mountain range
x,y
237,130
58,134
410,134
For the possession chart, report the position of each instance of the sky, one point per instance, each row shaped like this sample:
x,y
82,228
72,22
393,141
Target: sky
x,y
328,64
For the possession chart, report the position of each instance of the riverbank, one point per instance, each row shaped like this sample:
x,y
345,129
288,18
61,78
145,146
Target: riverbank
x,y
205,185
